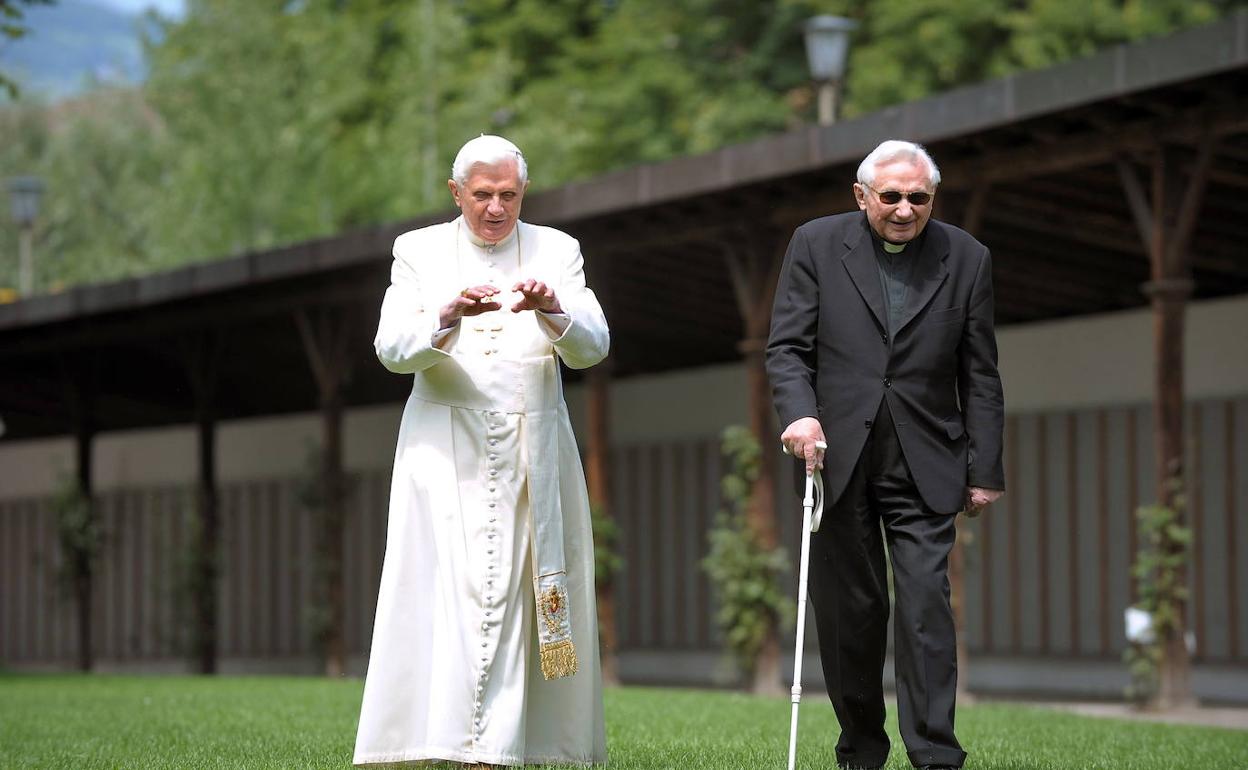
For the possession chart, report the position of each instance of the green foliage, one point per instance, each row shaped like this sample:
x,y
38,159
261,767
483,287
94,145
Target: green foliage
x,y
647,80
745,575
100,161
607,559
908,50
313,491
312,494
1159,567
297,121
78,534
268,123
200,570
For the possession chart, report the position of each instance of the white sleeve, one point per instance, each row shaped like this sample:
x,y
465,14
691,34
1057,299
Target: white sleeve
x,y
408,336
584,339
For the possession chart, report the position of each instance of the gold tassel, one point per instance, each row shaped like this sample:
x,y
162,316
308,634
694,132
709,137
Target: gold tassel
x,y
558,659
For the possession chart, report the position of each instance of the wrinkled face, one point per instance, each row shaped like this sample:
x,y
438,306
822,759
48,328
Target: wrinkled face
x,y
902,221
490,199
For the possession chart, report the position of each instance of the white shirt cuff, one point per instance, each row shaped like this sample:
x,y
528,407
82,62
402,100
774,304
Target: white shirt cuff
x,y
442,334
555,324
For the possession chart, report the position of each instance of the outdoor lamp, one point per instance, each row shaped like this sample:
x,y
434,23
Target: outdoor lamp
x,y
827,48
24,195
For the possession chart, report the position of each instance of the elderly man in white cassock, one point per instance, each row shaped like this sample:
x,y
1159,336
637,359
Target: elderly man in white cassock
x,y
485,644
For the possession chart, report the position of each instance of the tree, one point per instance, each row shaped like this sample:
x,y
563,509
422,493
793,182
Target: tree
x,y
298,123
267,123
99,157
905,51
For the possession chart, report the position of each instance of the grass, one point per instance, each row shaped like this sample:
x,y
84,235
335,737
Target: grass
x,y
267,722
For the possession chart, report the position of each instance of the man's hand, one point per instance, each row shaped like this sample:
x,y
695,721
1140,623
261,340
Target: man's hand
x,y
977,498
800,440
474,300
536,295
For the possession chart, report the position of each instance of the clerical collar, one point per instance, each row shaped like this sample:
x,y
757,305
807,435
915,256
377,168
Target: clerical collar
x,y
484,244
896,248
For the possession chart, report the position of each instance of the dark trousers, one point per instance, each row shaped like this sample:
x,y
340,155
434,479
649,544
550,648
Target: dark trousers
x,y
849,591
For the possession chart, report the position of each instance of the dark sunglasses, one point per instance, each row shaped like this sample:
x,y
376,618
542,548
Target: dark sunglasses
x,y
893,197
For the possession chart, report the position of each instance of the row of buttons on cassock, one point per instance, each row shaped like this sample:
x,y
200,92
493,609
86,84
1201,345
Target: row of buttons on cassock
x,y
494,421
497,327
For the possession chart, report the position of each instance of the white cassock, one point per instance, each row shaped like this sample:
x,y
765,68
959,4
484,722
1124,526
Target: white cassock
x,y
454,671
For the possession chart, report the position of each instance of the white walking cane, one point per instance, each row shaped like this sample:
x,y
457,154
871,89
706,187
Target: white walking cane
x,y
812,516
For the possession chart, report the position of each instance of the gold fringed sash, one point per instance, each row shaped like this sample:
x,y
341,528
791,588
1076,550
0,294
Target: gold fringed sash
x,y
550,577
532,389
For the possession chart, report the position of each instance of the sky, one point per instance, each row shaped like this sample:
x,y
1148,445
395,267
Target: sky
x,y
77,43
167,7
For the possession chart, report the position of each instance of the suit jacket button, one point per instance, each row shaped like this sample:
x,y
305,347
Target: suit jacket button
x,y
888,383
866,423
885,338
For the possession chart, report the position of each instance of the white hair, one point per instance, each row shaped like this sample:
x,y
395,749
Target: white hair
x,y
487,150
896,149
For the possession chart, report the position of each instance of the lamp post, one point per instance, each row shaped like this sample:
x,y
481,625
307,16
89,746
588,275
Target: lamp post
x,y
827,48
24,194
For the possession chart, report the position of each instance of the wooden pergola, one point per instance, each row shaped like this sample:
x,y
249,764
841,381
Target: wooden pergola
x,y
1103,184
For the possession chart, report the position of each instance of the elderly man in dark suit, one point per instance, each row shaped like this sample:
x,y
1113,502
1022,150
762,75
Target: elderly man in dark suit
x,y
882,345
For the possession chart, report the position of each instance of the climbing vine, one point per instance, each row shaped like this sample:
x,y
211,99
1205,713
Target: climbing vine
x,y
1158,570
607,559
745,575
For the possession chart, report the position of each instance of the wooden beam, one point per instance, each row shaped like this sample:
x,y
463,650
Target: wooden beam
x,y
739,270
1137,200
1095,147
1049,223
973,219
598,478
326,334
972,222
80,379
1230,469
195,315
754,264
1189,208
1168,290
203,362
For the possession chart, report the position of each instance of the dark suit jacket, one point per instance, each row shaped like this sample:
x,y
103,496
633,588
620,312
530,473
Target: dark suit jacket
x,y
830,356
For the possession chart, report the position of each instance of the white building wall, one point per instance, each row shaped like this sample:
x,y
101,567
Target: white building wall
x,y
1082,362
1108,359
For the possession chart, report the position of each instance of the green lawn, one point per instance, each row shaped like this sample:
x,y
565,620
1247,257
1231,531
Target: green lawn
x,y
266,722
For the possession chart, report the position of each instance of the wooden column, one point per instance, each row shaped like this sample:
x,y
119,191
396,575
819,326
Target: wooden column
x,y
203,367
754,263
326,335
80,397
1166,230
598,477
972,219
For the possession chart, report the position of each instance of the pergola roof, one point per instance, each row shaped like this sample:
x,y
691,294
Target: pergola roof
x,y
1033,165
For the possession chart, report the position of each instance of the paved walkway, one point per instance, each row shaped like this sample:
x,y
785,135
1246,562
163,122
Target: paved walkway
x,y
1210,716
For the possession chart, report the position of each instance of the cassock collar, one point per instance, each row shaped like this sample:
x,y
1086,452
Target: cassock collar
x,y
480,242
910,247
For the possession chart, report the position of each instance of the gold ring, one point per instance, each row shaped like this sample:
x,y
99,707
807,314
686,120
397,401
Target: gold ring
x,y
464,294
